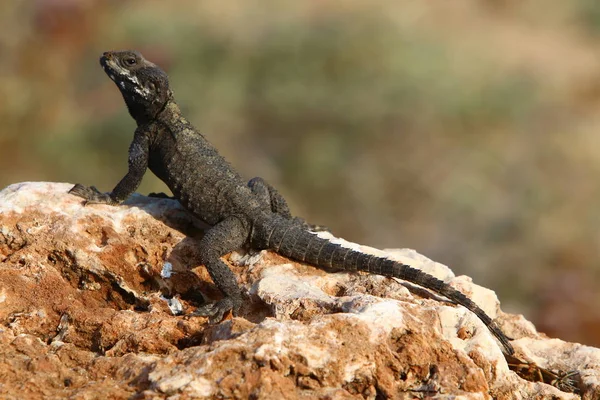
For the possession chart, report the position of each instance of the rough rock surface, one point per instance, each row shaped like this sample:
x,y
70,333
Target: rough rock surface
x,y
89,298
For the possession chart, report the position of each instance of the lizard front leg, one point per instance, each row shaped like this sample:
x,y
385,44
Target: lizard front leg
x,y
138,163
226,236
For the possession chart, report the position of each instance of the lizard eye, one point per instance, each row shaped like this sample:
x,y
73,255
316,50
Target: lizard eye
x,y
130,61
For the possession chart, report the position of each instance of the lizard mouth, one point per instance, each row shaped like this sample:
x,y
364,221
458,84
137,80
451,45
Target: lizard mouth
x,y
105,63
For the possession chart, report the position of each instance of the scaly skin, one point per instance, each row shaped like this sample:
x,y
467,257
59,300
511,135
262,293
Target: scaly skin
x,y
241,214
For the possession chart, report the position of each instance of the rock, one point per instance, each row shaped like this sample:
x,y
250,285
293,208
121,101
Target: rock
x,y
88,297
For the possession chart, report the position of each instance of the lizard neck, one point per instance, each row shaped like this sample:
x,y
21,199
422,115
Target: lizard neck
x,y
170,114
169,111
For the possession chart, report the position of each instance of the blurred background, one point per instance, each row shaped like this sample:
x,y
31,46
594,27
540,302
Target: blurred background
x,y
467,130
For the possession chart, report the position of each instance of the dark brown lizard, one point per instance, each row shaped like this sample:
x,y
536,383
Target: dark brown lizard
x,y
251,214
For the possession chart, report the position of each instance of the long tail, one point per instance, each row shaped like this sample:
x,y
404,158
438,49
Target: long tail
x,y
294,241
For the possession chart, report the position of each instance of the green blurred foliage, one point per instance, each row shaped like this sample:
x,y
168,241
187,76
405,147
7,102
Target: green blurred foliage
x,y
466,130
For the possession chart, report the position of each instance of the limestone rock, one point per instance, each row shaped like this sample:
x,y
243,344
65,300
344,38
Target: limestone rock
x,y
90,297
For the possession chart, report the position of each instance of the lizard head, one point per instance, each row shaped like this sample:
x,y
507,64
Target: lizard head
x,y
144,86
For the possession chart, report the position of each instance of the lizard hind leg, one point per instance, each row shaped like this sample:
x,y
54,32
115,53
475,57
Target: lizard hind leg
x,y
226,236
269,196
274,201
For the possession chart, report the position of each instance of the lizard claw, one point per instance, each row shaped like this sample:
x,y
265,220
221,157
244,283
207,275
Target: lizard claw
x,y
215,311
91,195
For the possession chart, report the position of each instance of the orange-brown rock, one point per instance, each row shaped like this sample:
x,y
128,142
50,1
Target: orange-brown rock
x,y
91,297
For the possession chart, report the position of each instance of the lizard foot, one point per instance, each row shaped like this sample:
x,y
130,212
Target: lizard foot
x,y
246,259
215,311
161,195
318,228
310,227
91,195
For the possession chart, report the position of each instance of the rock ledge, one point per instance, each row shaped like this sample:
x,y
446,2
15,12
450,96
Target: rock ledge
x,y
89,298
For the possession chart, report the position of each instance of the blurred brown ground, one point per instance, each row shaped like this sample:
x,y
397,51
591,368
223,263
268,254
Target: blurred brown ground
x,y
468,130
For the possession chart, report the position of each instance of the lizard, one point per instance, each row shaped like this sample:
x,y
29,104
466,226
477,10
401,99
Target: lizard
x,y
240,214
